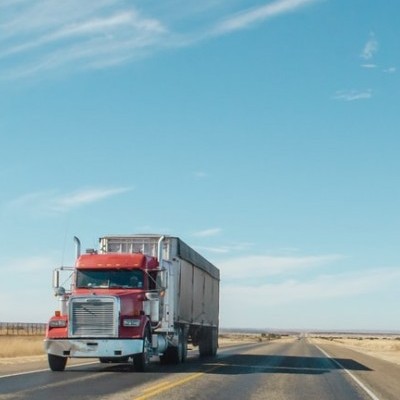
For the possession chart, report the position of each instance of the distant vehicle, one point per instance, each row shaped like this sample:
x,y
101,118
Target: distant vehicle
x,y
136,297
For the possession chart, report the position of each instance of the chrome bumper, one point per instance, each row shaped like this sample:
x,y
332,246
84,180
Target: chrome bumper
x,y
93,348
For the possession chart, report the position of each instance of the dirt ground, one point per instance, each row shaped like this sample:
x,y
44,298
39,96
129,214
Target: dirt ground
x,y
385,348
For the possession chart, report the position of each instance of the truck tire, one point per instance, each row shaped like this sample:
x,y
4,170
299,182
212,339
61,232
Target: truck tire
x,y
176,354
184,346
208,343
56,363
204,343
213,342
141,360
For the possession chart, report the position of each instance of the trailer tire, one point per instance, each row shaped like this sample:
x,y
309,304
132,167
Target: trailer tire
x,y
208,342
204,343
184,346
56,363
141,360
213,342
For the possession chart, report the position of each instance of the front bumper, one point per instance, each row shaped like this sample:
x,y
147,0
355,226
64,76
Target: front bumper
x,y
93,348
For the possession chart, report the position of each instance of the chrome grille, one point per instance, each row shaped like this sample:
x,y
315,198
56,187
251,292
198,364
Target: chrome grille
x,y
93,317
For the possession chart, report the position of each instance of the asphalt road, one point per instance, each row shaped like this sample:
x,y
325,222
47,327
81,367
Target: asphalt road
x,y
278,370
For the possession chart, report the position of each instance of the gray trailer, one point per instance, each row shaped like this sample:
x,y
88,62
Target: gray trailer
x,y
188,310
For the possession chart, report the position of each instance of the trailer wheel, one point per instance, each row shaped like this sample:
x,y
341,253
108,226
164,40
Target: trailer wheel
x,y
184,348
141,360
214,342
56,363
204,344
208,342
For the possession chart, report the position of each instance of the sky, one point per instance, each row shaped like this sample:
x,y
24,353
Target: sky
x,y
264,133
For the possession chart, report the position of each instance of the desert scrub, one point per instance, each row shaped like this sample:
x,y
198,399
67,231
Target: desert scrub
x,y
18,346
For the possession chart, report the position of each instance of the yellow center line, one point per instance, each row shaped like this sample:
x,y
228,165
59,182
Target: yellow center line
x,y
167,385
155,387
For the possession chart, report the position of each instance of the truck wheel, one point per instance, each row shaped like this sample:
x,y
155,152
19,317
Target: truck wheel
x,y
204,344
179,354
141,360
214,342
208,343
183,343
56,363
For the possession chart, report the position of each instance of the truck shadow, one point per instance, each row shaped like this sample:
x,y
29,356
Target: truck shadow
x,y
252,364
279,364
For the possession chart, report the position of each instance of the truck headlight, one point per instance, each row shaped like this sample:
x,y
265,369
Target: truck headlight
x,y
131,322
58,323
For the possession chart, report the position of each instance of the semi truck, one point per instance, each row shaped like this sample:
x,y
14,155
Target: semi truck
x,y
135,297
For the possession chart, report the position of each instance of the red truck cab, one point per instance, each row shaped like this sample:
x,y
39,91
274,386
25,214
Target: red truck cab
x,y
106,309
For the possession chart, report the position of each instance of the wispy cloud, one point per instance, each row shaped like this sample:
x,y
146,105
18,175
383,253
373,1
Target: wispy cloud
x,y
369,66
267,266
208,232
353,95
390,70
370,47
343,285
84,197
27,265
48,35
200,174
226,248
50,202
40,36
247,18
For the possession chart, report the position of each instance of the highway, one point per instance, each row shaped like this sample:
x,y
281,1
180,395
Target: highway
x,y
291,369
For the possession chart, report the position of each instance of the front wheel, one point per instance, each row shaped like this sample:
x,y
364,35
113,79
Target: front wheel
x,y
141,360
56,363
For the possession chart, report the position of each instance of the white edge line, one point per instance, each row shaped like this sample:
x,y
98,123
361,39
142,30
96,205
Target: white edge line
x,y
359,383
42,370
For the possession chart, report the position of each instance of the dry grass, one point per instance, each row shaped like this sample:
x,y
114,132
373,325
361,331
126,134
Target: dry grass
x,y
385,348
23,346
18,346
226,339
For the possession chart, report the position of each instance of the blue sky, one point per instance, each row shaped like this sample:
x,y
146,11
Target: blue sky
x,y
263,133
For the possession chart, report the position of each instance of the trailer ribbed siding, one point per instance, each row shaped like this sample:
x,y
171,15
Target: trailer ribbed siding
x,y
196,280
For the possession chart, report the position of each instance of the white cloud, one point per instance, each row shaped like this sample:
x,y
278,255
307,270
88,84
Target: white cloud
x,y
86,196
51,35
217,250
40,36
200,174
105,28
27,265
250,17
256,267
54,202
208,232
390,70
344,285
369,66
370,48
225,249
352,95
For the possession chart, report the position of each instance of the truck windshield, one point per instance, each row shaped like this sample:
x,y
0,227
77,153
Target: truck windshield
x,y
121,278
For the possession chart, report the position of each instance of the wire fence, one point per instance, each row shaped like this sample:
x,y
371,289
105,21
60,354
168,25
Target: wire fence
x,y
22,329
